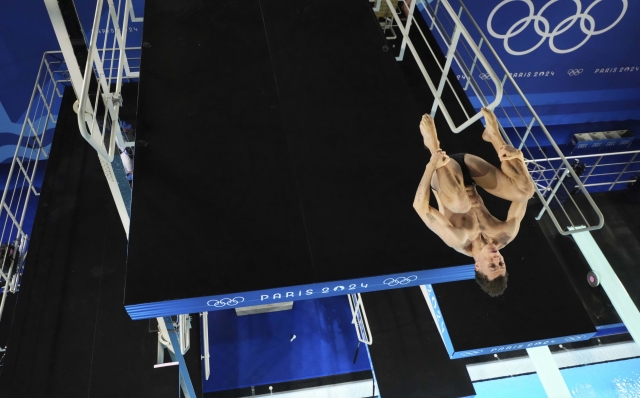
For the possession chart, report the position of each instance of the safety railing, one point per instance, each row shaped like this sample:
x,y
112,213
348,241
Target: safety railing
x,y
459,32
359,319
25,170
488,83
600,172
109,62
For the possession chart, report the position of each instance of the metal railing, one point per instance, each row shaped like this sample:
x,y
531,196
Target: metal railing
x,y
359,319
610,171
109,61
488,83
19,197
458,32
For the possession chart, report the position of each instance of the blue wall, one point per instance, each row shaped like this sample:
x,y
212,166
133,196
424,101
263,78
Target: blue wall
x,y
568,75
25,34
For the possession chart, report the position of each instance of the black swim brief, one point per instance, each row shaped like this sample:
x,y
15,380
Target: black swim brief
x,y
466,176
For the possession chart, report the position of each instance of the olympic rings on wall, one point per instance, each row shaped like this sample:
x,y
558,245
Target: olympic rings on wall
x,y
574,72
542,28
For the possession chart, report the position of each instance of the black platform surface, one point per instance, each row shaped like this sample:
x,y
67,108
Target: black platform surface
x,y
408,356
285,150
281,152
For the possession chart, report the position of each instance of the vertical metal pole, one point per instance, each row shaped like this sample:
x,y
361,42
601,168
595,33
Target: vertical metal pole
x,y
6,286
205,339
553,193
187,386
610,283
62,35
548,372
526,134
622,172
412,8
445,71
473,65
435,12
591,171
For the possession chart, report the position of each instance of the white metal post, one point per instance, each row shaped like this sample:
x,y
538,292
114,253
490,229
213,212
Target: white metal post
x,y
403,46
205,339
447,66
65,44
165,325
548,372
553,193
77,82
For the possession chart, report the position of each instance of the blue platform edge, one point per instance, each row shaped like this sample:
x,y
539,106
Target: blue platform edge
x,y
608,330
301,292
453,354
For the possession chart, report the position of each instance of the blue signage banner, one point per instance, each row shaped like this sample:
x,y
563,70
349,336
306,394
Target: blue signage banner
x,y
576,61
453,354
302,292
522,346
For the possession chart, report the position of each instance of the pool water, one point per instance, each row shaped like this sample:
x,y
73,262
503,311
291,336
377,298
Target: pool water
x,y
619,379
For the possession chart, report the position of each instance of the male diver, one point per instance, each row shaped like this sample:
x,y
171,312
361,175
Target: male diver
x,y
462,221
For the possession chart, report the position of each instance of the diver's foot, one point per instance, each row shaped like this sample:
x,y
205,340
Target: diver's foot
x,y
429,134
491,132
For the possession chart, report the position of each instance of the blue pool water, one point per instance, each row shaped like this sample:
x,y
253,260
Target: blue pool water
x,y
620,379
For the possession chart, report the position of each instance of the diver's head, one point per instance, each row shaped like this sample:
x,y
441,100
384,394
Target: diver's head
x,y
491,271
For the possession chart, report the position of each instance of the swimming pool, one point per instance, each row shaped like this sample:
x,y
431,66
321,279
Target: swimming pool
x,y
619,379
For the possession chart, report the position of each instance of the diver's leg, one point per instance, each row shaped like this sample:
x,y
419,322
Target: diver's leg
x,y
447,180
513,181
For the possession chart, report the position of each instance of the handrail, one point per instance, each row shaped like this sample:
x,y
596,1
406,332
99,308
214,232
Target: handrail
x,y
98,120
19,189
359,319
501,98
437,92
96,134
590,168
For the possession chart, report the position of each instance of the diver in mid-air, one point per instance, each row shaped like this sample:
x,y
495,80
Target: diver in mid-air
x,y
462,221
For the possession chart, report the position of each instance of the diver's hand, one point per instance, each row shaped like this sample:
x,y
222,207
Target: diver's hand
x,y
439,159
507,152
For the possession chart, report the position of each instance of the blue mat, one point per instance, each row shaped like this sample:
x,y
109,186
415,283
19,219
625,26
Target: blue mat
x,y
256,349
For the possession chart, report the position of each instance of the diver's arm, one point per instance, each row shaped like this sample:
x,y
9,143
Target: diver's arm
x,y
438,223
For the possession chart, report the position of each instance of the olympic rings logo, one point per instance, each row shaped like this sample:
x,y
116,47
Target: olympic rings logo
x,y
545,32
484,76
574,72
225,302
471,353
399,281
575,338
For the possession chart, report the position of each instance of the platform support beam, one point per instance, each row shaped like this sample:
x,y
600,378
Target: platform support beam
x,y
166,326
610,283
548,372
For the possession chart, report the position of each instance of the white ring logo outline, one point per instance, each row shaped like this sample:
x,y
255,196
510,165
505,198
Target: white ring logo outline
x,y
224,302
575,338
562,27
574,72
471,353
400,280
